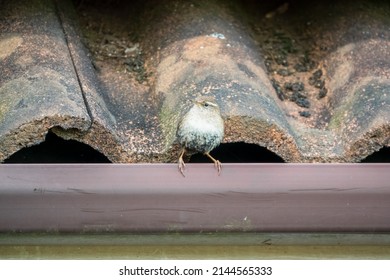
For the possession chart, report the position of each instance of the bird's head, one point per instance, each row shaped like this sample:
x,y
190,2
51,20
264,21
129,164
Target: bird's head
x,y
207,103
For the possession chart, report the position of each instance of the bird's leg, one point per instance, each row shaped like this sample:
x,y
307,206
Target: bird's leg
x,y
217,163
181,162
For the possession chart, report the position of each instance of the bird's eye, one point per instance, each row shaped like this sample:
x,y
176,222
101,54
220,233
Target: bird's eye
x,y
206,104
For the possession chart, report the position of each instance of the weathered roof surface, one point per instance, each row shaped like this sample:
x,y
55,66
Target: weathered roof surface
x,y
309,82
38,84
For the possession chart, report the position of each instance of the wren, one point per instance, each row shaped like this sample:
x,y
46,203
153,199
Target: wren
x,y
201,130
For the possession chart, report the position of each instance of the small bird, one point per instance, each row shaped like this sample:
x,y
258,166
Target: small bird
x,y
201,130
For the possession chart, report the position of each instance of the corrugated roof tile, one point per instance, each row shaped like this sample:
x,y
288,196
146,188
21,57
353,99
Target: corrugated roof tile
x,y
309,88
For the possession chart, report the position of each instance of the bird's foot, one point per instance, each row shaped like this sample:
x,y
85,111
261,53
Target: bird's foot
x,y
218,165
181,166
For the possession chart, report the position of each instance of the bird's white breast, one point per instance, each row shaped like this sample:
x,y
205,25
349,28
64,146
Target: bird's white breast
x,y
202,122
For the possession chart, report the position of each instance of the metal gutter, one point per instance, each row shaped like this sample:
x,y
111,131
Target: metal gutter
x,y
125,252
196,239
141,198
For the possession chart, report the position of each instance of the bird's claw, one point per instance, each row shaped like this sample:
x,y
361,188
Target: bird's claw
x,y
182,166
218,165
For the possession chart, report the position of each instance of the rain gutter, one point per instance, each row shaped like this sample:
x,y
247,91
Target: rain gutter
x,y
155,198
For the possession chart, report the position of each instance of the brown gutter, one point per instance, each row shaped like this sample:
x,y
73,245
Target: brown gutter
x,y
156,198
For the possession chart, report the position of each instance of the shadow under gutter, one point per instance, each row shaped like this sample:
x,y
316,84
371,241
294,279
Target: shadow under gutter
x,y
155,198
